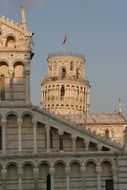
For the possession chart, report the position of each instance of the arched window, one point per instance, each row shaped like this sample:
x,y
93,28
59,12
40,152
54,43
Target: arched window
x,y
62,92
71,65
77,73
63,72
10,42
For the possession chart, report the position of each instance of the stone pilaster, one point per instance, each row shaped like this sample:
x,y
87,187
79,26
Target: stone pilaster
x,y
36,174
98,170
35,135
4,173
115,178
86,141
27,72
67,172
47,128
11,75
74,143
19,135
52,173
83,172
3,136
20,174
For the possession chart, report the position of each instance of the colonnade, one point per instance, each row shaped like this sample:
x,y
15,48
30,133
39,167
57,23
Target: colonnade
x,y
9,81
68,177
47,137
72,93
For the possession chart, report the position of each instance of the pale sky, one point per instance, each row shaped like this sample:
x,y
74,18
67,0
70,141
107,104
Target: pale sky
x,y
95,28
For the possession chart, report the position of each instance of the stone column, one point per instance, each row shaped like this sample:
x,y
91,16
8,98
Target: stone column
x,y
52,173
67,172
98,177
83,171
47,128
74,143
35,135
36,174
99,146
11,75
86,141
61,148
4,173
27,72
3,136
115,178
20,174
19,135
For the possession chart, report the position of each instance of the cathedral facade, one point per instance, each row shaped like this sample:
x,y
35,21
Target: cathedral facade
x,y
53,147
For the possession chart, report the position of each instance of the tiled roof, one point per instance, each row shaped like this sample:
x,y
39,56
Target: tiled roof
x,y
96,118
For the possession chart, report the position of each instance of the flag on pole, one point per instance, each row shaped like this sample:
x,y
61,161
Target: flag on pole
x,y
65,39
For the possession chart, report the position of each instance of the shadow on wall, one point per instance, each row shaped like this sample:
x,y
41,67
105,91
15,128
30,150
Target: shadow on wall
x,y
12,81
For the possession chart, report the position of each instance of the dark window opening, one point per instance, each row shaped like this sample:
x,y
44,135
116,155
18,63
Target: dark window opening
x,y
62,92
71,65
77,73
48,182
105,148
0,138
109,184
63,72
107,133
61,142
2,87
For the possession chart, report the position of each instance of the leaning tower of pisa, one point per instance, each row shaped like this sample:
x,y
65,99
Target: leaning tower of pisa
x,y
65,90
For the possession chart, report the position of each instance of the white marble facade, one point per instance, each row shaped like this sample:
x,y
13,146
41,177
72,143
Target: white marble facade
x,y
40,150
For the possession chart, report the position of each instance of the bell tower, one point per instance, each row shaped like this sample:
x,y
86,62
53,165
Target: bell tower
x,y
15,61
65,89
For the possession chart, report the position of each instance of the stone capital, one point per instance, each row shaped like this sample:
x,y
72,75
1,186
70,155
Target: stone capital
x,y
4,173
60,132
67,170
36,172
19,120
52,171
20,172
83,170
74,137
34,121
98,169
3,121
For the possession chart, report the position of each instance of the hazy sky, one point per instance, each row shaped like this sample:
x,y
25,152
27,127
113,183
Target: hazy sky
x,y
95,28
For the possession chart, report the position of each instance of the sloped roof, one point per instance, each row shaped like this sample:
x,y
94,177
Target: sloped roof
x,y
80,129
12,24
98,118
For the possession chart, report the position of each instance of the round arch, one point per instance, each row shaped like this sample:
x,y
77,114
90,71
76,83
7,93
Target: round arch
x,y
12,113
28,162
76,161
43,162
59,161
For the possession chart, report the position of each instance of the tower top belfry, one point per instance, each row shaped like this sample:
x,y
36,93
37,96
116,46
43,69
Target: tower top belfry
x,y
15,61
65,89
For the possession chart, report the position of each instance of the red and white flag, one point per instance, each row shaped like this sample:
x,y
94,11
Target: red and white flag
x,y
65,39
